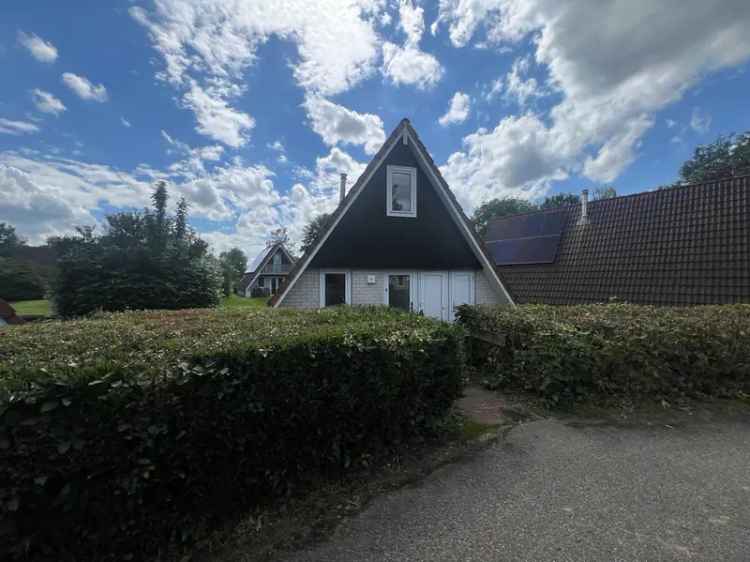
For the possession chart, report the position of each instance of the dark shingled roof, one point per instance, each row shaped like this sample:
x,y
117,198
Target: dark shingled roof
x,y
677,246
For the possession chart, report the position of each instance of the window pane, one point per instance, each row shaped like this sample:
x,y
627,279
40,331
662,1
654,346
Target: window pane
x,y
335,289
401,193
399,291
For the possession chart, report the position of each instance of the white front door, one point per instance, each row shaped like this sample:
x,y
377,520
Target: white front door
x,y
434,295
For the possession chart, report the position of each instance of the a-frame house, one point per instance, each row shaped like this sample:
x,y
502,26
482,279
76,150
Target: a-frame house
x,y
398,238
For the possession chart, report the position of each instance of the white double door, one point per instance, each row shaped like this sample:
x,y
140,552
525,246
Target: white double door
x,y
434,293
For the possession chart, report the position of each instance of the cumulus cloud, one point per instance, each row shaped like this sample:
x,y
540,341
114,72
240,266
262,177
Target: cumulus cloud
x,y
458,110
84,88
519,158
216,119
41,50
125,122
46,102
208,45
644,59
49,196
10,127
517,87
408,64
337,124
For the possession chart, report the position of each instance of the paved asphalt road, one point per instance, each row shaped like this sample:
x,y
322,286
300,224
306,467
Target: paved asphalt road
x,y
554,490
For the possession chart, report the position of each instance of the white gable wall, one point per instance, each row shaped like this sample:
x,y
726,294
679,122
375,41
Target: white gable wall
x,y
306,292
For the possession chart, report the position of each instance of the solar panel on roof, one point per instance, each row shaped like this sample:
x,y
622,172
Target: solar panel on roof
x,y
517,251
526,239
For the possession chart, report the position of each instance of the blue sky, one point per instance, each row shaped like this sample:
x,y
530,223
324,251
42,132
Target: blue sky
x,y
251,109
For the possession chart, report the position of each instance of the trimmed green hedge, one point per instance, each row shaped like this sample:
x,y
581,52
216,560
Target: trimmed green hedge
x,y
610,351
125,432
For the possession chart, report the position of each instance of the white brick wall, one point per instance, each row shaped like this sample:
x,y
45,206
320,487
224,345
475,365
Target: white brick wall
x,y
485,292
362,293
305,293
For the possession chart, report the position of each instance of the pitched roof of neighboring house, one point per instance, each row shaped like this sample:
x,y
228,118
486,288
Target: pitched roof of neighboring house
x,y
676,246
404,132
260,261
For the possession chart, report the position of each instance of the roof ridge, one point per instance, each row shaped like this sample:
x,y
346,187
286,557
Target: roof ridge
x,y
646,193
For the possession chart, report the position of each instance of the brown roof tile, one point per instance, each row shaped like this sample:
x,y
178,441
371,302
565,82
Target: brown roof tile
x,y
677,246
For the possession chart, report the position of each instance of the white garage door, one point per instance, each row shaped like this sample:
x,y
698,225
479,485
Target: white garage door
x,y
435,295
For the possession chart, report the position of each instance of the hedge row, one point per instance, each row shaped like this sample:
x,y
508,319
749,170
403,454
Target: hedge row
x,y
125,432
613,351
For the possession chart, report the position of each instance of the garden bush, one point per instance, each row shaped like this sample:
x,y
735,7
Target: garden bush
x,y
612,351
125,432
19,281
142,260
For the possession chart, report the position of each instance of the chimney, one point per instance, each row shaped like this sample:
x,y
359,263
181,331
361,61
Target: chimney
x,y
584,207
342,189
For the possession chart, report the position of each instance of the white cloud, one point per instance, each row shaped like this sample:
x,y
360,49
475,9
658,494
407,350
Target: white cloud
x,y
216,119
519,158
125,122
207,46
408,64
9,127
670,123
41,50
278,147
49,196
618,152
700,121
85,89
337,124
411,21
613,64
458,110
494,89
519,89
46,102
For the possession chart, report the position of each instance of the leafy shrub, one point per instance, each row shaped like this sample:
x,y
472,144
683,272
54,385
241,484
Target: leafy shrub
x,y
613,351
19,281
124,432
143,261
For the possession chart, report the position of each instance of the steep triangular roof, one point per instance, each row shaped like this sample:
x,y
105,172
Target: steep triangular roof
x,y
405,133
261,260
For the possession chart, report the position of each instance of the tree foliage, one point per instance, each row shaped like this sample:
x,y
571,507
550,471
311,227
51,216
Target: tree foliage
x,y
496,208
726,157
9,240
313,231
19,281
559,200
144,260
233,266
604,193
506,206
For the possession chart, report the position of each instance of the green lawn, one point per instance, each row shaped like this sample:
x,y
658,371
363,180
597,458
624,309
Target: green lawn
x,y
236,301
40,307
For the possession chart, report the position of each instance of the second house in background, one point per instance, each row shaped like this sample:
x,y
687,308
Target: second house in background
x,y
267,272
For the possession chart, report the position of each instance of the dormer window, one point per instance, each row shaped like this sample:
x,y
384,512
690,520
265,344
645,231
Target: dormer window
x,y
401,192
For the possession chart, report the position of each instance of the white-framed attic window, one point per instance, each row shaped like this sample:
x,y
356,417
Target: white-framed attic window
x,y
401,191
